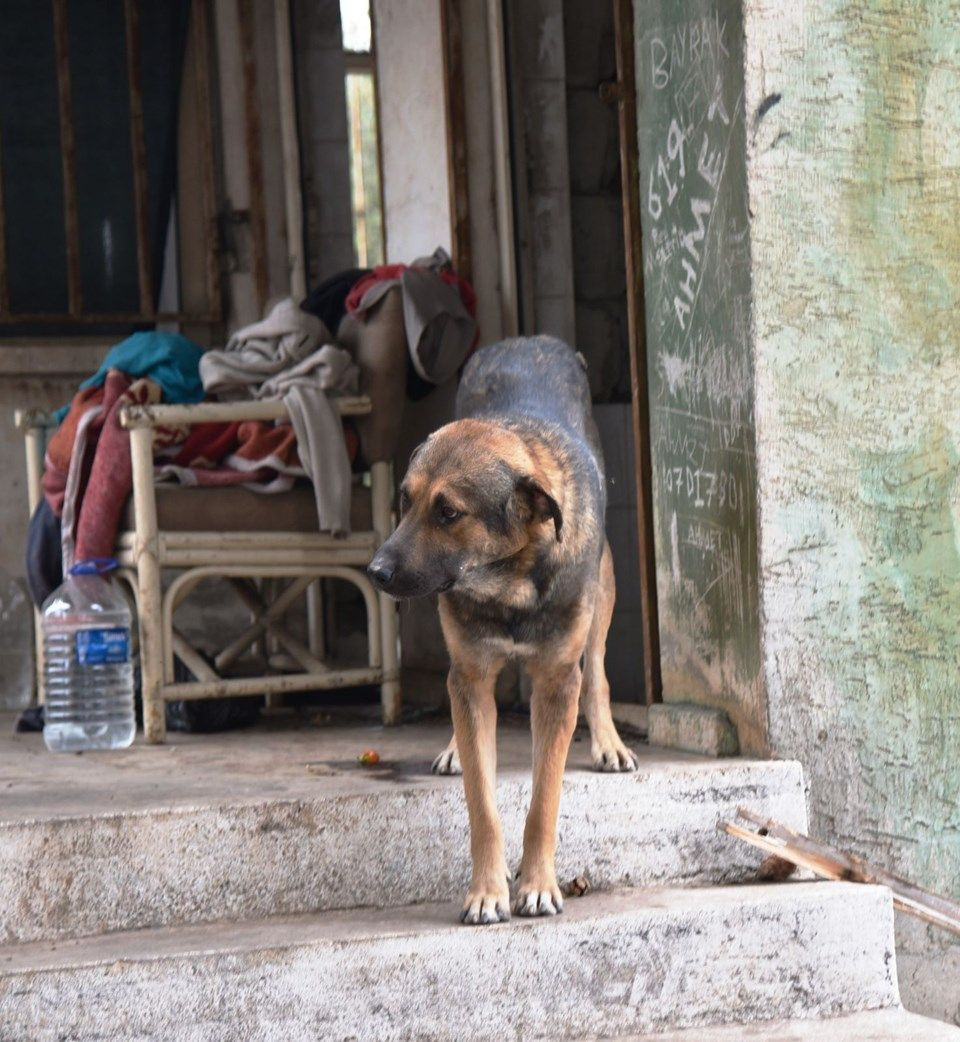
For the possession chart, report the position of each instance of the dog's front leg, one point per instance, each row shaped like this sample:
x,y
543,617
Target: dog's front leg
x,y
553,715
474,710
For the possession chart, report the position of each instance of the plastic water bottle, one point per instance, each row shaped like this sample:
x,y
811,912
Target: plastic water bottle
x,y
86,662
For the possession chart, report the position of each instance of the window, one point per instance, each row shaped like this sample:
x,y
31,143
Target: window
x,y
361,94
89,103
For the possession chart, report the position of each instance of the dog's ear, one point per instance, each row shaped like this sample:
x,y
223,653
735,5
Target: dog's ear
x,y
543,504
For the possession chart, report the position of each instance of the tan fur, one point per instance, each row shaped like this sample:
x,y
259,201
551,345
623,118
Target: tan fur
x,y
510,532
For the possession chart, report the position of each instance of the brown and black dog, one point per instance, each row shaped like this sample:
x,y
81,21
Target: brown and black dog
x,y
502,515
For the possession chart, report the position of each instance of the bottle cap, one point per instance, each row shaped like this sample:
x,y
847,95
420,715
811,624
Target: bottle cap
x,y
94,566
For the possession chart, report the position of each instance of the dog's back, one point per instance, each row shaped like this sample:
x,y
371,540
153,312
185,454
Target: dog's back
x,y
542,382
539,377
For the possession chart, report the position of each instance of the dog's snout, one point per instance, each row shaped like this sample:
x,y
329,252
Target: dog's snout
x,y
380,571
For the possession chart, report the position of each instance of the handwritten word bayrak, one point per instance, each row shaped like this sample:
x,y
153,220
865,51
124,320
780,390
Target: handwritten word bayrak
x,y
688,45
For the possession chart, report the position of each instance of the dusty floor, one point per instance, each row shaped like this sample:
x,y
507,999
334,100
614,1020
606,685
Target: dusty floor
x,y
284,755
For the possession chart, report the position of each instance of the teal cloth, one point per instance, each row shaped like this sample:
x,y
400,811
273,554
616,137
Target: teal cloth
x,y
169,359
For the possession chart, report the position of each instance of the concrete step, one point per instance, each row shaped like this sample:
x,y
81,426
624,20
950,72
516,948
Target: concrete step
x,y
613,964
244,827
890,1025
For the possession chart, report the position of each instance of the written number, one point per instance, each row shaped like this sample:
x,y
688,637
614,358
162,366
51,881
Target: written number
x,y
675,155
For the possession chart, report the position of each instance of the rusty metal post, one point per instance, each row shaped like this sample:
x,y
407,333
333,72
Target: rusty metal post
x,y
201,52
138,148
626,98
258,224
71,225
4,278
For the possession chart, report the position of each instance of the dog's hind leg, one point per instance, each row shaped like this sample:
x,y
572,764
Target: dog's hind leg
x,y
606,749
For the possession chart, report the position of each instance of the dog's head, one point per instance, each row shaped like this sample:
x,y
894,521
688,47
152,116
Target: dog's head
x,y
474,495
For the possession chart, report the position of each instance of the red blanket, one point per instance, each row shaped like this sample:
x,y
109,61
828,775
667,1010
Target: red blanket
x,y
257,454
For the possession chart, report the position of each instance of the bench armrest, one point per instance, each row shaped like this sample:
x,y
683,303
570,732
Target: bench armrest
x,y
133,416
26,420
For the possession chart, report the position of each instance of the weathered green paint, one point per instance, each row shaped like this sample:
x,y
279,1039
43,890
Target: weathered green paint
x,y
696,256
854,183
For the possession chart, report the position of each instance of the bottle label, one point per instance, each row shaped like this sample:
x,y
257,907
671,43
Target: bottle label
x,y
103,647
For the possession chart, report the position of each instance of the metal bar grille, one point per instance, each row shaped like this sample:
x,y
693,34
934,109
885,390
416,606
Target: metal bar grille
x,y
258,226
138,147
201,20
71,225
211,312
4,288
91,318
456,117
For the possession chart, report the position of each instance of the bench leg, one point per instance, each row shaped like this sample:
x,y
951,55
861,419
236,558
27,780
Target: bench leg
x,y
380,482
148,586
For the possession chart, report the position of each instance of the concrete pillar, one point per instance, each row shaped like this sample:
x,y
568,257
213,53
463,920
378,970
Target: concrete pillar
x,y
801,312
854,182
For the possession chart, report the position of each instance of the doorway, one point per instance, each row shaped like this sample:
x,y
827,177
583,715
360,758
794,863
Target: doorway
x,y
577,231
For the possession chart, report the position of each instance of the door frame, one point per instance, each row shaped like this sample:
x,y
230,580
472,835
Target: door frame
x,y
625,91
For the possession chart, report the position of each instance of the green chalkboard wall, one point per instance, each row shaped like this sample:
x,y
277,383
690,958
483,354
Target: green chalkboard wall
x,y
696,264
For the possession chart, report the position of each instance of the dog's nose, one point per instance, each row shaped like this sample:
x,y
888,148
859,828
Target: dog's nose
x,y
380,571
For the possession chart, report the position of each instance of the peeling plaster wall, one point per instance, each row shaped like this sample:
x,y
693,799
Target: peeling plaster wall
x,y
854,183
413,131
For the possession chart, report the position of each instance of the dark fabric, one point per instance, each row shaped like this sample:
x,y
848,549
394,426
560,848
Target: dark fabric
x,y
193,717
207,716
30,721
44,557
417,387
169,359
329,300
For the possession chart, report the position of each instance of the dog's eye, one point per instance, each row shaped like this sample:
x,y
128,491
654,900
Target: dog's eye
x,y
448,513
404,501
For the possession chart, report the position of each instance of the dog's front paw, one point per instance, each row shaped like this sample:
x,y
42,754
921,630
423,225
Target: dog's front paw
x,y
538,894
610,755
448,762
486,904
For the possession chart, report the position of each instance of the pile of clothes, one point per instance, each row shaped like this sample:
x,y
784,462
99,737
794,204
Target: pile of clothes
x,y
439,313
290,355
87,472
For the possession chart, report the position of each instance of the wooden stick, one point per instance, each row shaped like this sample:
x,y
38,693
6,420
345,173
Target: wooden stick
x,y
776,838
